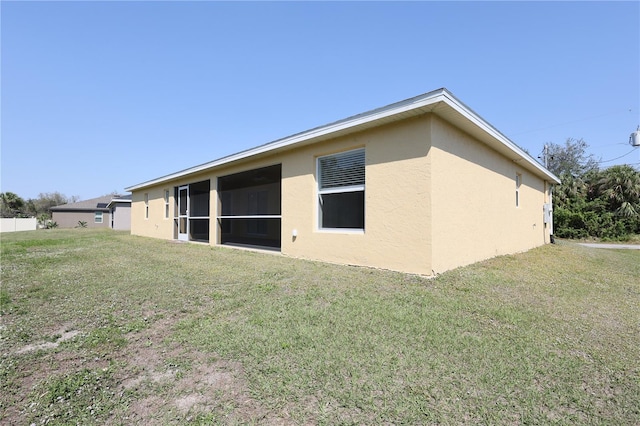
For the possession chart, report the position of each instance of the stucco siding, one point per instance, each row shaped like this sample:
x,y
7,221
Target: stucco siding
x,y
438,189
435,199
397,198
155,225
475,215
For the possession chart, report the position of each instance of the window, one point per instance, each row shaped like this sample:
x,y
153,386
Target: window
x,y
146,205
341,190
97,217
166,204
518,183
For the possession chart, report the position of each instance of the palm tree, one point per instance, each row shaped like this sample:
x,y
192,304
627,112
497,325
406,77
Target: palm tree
x,y
620,186
570,190
11,204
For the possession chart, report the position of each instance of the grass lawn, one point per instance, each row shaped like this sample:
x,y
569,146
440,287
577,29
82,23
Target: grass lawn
x,y
100,327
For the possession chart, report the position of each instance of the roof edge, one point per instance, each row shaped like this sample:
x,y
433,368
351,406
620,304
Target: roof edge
x,y
296,138
119,200
420,101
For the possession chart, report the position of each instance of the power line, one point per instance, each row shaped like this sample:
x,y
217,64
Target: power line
x,y
611,144
617,158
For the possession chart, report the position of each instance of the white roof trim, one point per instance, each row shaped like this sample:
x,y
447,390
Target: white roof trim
x,y
118,200
414,106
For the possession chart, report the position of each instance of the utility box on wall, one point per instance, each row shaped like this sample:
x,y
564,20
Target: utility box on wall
x,y
547,212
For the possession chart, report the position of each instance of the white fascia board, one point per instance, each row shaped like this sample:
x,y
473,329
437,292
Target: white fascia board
x,y
357,120
118,200
408,105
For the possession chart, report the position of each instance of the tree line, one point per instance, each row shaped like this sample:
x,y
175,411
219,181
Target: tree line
x,y
12,205
592,202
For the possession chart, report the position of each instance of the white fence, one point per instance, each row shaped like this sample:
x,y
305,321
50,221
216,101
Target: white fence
x,y
14,224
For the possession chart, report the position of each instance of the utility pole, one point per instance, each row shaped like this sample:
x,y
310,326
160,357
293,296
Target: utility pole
x,y
545,155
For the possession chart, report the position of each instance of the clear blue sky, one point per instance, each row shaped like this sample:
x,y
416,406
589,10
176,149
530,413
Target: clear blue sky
x,y
100,96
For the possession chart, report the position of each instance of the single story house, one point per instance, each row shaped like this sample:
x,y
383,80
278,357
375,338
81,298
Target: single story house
x,y
420,186
109,211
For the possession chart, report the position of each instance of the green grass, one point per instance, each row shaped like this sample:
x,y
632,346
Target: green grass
x,y
188,334
76,398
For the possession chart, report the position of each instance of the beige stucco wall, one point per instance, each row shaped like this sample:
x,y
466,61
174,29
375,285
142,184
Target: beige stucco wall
x,y
474,209
397,200
157,225
435,199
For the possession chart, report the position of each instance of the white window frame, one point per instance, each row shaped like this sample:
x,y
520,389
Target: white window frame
x,y
146,205
518,184
166,204
97,215
336,190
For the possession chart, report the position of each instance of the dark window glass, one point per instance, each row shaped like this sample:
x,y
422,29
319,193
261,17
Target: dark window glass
x,y
342,210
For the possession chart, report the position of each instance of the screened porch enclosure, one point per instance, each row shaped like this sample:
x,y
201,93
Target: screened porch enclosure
x,y
250,208
191,220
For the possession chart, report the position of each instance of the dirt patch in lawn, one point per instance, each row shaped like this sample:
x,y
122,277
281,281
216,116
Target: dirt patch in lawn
x,y
35,364
162,382
64,336
174,383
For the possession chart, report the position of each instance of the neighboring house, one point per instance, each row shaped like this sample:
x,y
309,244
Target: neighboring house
x,y
420,186
110,211
120,212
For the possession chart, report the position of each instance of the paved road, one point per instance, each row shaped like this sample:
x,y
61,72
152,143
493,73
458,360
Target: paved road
x,y
612,246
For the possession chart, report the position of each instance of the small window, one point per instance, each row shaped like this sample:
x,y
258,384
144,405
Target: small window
x,y
518,183
97,217
166,204
341,181
146,205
